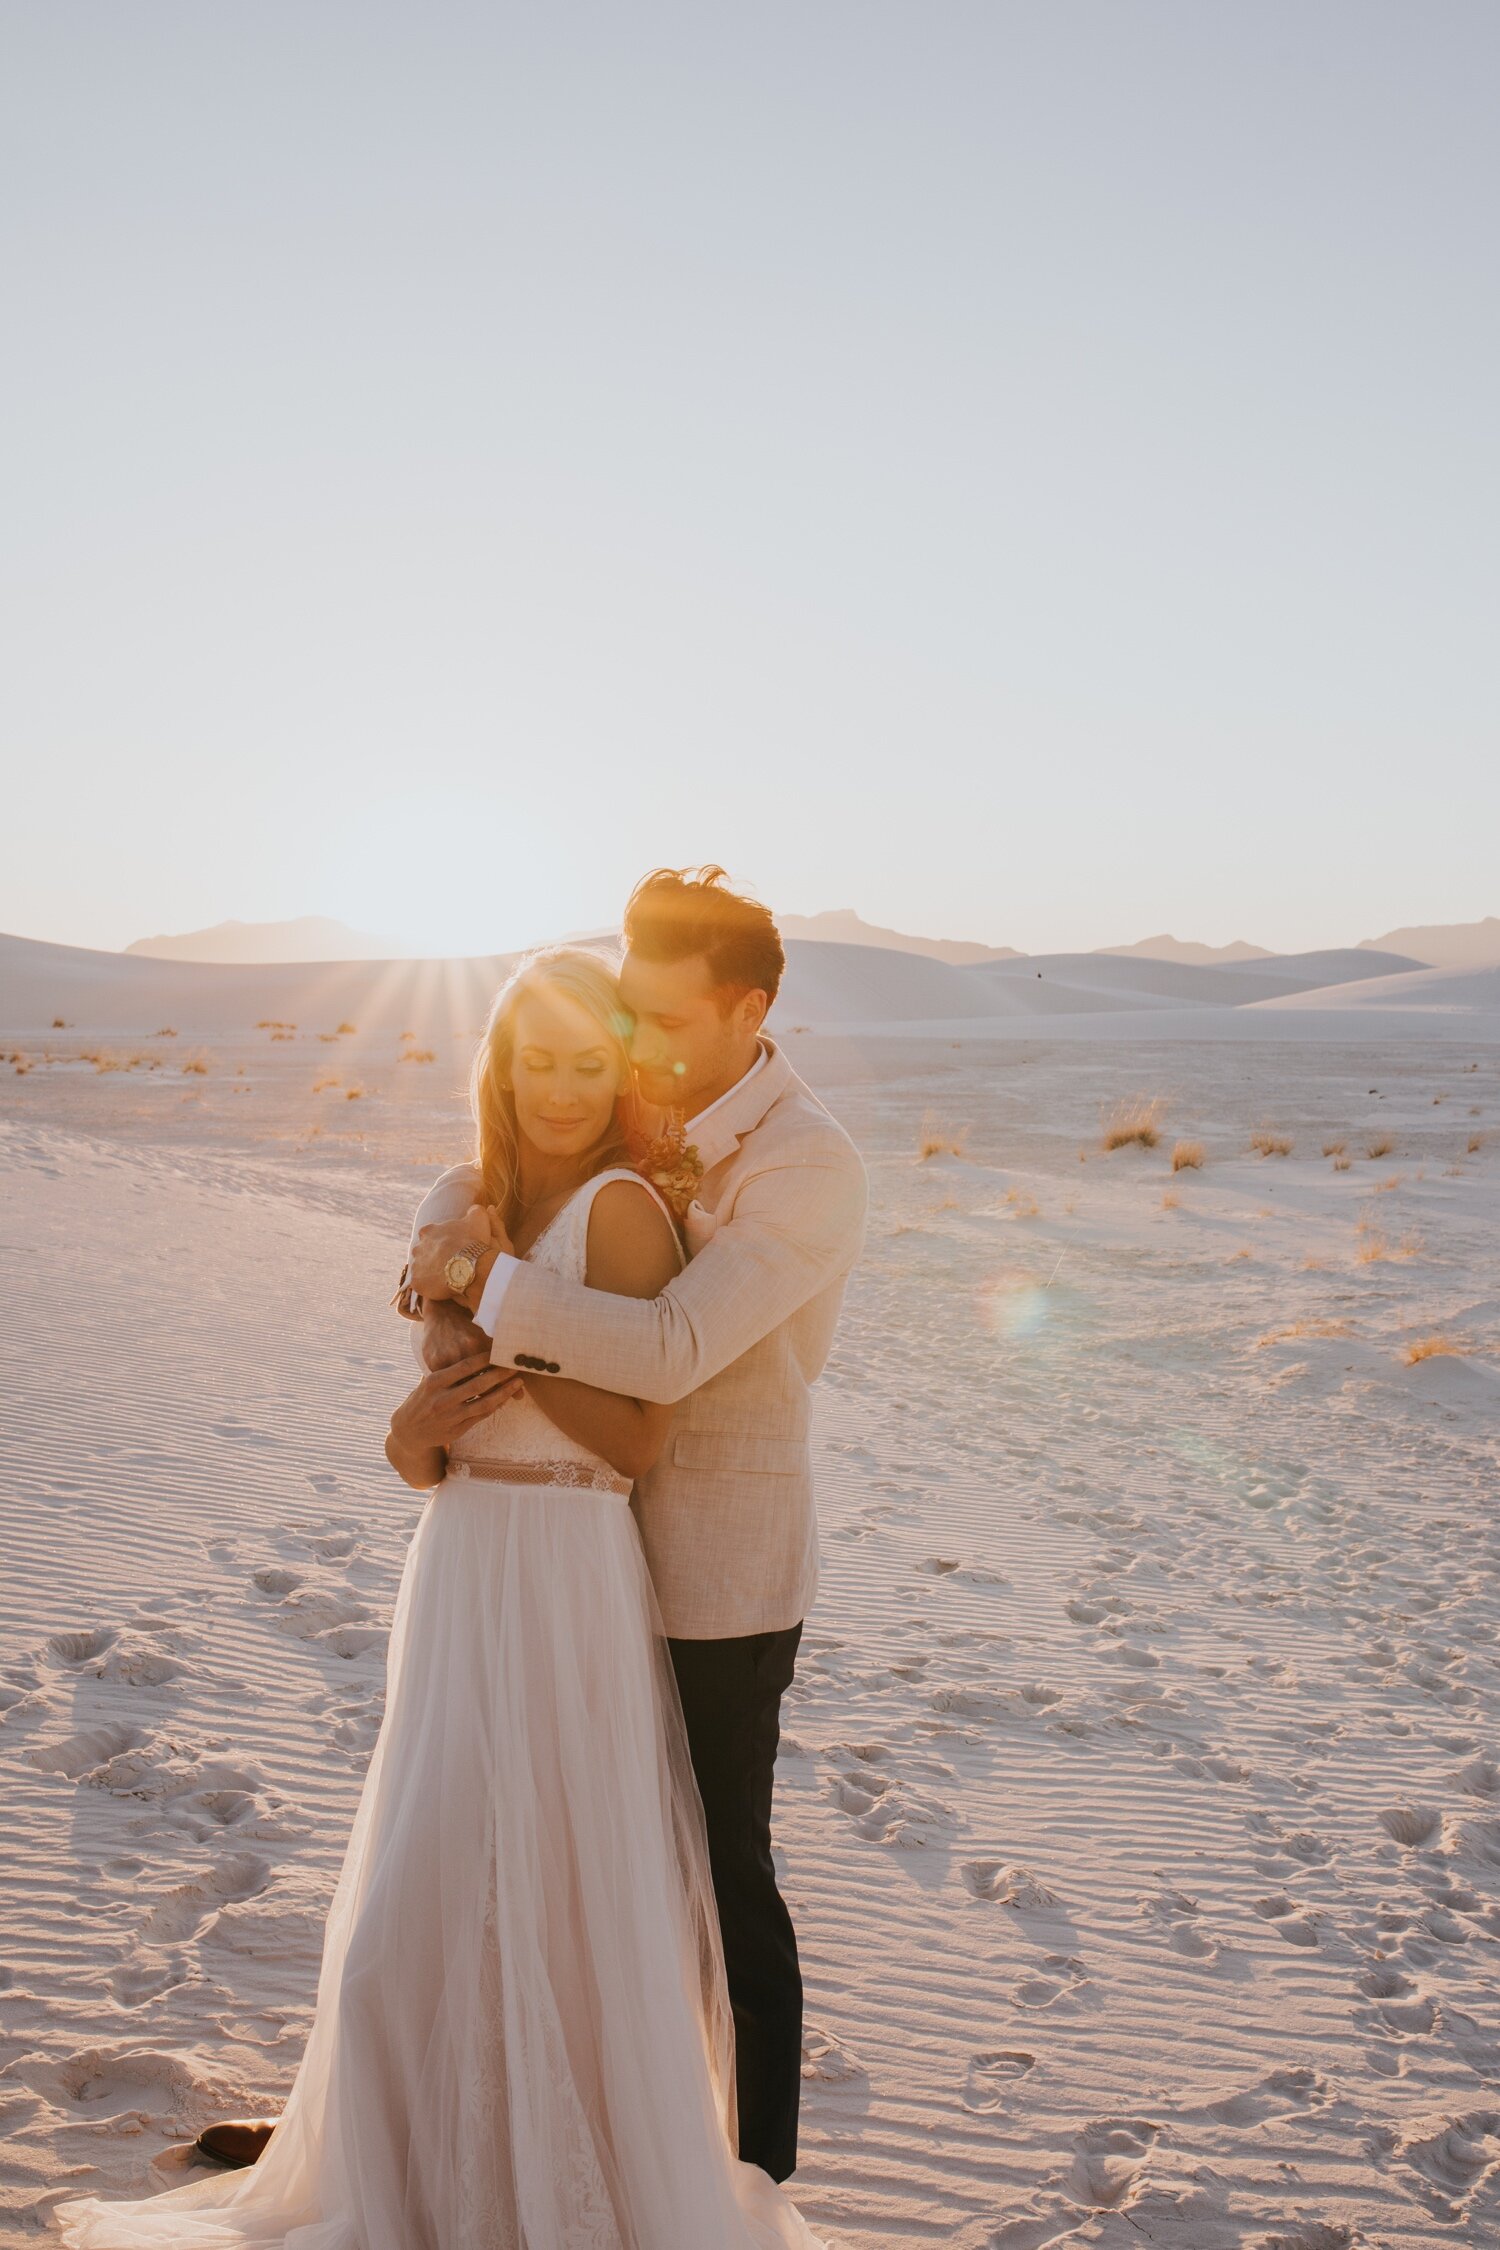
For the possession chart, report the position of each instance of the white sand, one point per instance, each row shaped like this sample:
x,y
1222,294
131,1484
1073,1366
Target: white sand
x,y
1140,1806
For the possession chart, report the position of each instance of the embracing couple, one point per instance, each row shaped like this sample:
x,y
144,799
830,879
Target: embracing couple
x,y
559,2005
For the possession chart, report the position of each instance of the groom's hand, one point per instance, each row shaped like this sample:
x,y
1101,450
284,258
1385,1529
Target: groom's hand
x,y
435,1245
449,1334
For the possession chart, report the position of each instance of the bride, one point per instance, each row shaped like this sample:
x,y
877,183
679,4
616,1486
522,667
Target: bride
x,y
522,2038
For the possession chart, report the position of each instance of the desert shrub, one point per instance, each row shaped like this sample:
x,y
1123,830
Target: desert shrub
x,y
1433,1347
935,1139
1187,1156
1270,1144
1382,1145
1134,1123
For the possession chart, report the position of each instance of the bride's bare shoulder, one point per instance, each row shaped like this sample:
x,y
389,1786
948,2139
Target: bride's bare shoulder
x,y
633,1250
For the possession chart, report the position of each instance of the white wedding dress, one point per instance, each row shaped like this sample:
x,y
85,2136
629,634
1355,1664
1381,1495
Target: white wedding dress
x,y
522,2038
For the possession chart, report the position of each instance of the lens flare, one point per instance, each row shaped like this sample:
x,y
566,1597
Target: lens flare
x,y
1016,1310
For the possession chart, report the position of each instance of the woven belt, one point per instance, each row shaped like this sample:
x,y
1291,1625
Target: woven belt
x,y
586,1476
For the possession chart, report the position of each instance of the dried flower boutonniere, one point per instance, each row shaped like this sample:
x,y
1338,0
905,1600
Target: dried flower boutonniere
x,y
671,1163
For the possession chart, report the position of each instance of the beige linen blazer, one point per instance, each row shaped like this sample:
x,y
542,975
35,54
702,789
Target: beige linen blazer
x,y
727,1515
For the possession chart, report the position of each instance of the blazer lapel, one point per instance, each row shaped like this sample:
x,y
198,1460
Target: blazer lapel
x,y
744,1109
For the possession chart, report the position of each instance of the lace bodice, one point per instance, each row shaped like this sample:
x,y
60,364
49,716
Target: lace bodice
x,y
521,1431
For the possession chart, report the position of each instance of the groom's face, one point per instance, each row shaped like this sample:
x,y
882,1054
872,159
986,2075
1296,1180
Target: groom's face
x,y
690,1036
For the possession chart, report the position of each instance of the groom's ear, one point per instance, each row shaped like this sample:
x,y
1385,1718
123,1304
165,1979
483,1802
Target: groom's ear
x,y
752,1008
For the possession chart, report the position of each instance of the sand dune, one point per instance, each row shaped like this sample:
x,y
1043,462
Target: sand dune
x,y
827,984
1464,991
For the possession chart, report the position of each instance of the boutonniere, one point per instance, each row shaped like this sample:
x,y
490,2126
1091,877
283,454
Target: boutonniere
x,y
671,1163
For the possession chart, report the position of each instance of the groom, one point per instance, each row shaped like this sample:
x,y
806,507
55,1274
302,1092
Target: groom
x,y
726,1516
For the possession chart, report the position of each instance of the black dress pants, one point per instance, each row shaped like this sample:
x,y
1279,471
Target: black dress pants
x,y
731,1698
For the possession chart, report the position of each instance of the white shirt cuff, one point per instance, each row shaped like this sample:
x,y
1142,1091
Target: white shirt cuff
x,y
490,1297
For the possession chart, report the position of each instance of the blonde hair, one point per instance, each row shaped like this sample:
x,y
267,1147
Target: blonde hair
x,y
590,982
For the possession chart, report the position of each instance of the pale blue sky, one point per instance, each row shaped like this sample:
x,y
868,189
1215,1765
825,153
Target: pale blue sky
x,y
1025,472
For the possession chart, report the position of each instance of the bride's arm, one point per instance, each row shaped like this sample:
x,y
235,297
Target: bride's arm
x,y
632,1252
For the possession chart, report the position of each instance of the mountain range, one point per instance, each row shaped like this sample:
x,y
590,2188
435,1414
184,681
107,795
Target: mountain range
x,y
316,937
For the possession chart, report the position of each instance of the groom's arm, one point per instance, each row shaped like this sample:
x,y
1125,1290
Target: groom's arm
x,y
794,1229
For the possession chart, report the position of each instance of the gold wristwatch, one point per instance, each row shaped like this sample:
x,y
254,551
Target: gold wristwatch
x,y
462,1267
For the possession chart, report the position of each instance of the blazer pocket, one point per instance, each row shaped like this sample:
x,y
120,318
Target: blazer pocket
x,y
734,1453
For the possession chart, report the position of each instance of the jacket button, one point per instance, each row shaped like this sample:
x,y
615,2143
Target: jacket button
x,y
523,1359
553,1368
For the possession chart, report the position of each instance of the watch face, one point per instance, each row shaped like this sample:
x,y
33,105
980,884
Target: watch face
x,y
459,1272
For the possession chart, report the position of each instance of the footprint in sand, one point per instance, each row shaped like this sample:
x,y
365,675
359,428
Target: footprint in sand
x,y
827,2061
1451,2162
183,1911
1312,2234
241,1433
1281,2093
1413,1826
1007,1885
883,1808
1108,2159
1283,1915
91,1754
129,2089
1176,1915
992,2073
135,1983
1065,1980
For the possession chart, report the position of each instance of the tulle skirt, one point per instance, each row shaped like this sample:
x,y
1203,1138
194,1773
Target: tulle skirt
x,y
522,2038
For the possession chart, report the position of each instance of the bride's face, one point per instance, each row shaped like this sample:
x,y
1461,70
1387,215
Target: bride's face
x,y
564,1075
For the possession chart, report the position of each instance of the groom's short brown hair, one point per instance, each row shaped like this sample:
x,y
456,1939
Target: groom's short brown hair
x,y
676,912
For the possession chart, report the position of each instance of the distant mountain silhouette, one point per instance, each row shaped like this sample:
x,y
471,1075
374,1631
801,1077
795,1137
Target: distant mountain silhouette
x,y
1447,945
313,937
840,925
1187,949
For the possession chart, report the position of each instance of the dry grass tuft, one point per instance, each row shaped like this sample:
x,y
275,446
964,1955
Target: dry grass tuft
x,y
1025,1206
1382,1145
166,1032
354,1094
197,1066
58,1024
937,1139
1384,1187
1433,1347
417,1054
1302,1328
345,1031
1171,1202
1375,1248
1134,1123
1270,1144
1187,1156
1235,1256
321,1085
1343,1163
1475,1144
1333,1148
